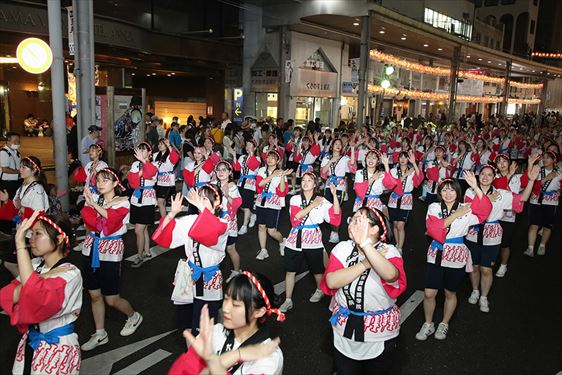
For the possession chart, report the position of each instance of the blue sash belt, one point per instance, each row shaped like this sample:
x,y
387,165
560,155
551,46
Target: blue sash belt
x,y
207,272
138,192
439,246
345,312
95,248
34,337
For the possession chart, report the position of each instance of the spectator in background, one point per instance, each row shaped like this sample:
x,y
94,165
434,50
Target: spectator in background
x,y
175,137
72,140
30,125
225,121
10,164
191,121
152,133
217,132
288,133
90,139
159,127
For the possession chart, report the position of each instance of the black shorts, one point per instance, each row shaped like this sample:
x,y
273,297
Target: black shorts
x,y
248,198
508,233
437,277
107,278
293,259
142,215
483,255
268,217
397,214
231,240
330,198
292,165
542,215
164,192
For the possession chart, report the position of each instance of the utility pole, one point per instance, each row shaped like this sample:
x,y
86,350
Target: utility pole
x,y
363,68
57,90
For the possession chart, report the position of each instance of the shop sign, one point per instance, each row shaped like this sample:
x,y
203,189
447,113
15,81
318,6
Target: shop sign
x,y
314,83
237,104
265,80
354,64
349,87
471,87
70,14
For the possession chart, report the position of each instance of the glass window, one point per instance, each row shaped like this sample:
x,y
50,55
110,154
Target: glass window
x,y
266,105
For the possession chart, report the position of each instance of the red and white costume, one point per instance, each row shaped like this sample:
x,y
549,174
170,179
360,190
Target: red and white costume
x,y
31,197
365,314
204,238
269,195
493,231
512,184
110,245
144,194
191,363
197,174
549,191
306,159
402,190
47,301
485,157
369,194
166,175
435,173
292,145
455,253
338,170
87,176
248,166
268,148
465,162
229,208
308,227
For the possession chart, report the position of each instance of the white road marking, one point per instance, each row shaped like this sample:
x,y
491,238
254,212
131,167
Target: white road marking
x,y
280,287
410,305
145,363
101,364
155,251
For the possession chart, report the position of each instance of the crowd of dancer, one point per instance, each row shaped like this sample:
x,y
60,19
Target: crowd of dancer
x,y
474,181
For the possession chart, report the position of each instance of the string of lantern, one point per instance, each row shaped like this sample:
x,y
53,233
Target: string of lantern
x,y
436,96
420,68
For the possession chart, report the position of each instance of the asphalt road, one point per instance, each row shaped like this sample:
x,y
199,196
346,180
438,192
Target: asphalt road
x,y
521,335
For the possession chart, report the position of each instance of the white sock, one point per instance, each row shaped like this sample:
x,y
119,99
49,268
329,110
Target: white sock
x,y
101,332
483,298
288,299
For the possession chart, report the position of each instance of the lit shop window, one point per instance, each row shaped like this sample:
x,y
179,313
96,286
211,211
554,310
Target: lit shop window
x,y
451,25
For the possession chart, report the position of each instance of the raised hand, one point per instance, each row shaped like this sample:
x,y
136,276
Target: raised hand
x,y
333,190
533,173
25,225
463,210
138,155
88,196
177,204
412,157
495,196
470,179
384,159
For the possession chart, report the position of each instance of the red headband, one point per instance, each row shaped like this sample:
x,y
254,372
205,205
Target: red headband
x,y
441,147
274,152
211,139
148,144
505,156
280,315
58,229
32,162
213,187
446,180
488,166
311,174
114,175
225,162
375,151
382,237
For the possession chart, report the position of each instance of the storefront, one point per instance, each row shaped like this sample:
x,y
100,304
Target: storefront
x,y
313,92
265,85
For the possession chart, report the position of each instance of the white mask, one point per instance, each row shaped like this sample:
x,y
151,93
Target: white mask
x,y
15,147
